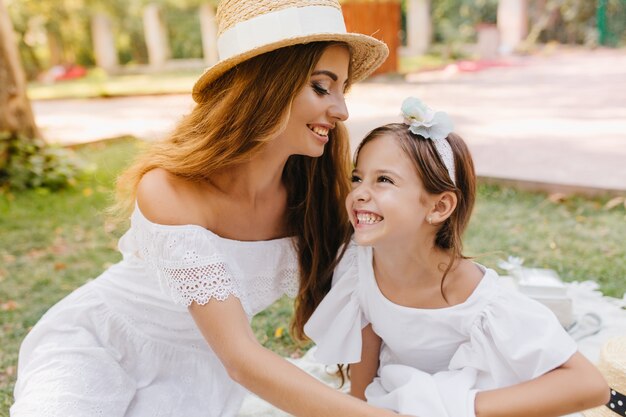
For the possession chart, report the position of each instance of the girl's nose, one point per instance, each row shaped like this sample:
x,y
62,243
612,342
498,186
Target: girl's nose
x,y
361,193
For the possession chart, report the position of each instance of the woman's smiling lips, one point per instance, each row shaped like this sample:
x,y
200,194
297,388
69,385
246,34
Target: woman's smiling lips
x,y
320,131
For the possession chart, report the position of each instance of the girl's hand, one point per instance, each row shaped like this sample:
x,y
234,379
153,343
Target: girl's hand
x,y
574,386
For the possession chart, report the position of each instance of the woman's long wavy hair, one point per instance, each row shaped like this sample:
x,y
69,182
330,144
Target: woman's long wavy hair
x,y
436,180
238,114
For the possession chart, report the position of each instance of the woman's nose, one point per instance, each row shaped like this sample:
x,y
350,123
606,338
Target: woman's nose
x,y
338,110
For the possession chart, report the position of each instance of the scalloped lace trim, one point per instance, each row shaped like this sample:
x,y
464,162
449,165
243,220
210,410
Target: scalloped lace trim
x,y
200,272
213,281
200,284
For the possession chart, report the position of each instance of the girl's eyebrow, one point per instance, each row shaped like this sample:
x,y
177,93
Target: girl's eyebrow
x,y
380,172
388,172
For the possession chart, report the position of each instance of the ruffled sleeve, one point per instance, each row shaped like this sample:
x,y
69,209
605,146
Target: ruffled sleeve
x,y
336,324
514,339
186,259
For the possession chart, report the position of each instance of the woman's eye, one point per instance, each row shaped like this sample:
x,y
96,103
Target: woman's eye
x,y
382,178
355,178
319,89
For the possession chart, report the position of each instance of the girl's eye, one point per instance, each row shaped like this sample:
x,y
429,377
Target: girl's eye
x,y
319,89
383,178
355,178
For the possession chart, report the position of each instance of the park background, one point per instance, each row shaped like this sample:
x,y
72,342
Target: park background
x,y
56,184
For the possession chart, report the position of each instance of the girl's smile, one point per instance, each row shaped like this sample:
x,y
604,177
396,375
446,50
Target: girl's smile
x,y
365,218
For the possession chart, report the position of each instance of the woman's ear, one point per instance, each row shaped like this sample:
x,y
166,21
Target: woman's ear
x,y
443,208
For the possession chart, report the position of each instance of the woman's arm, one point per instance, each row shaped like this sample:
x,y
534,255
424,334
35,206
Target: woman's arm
x,y
363,373
167,199
226,329
574,386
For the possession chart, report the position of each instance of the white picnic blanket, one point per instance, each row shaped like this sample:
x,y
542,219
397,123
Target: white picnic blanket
x,y
585,298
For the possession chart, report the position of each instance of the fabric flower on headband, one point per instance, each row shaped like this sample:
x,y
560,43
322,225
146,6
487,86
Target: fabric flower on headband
x,y
424,121
433,125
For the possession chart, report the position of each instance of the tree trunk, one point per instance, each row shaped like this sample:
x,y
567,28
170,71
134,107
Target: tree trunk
x,y
16,115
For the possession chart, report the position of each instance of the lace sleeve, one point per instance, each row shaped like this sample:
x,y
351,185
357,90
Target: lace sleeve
x,y
199,283
187,261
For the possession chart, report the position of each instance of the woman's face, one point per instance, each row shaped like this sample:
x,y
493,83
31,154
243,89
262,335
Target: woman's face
x,y
319,105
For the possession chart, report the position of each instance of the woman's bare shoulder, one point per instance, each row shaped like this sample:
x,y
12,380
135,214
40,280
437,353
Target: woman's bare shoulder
x,y
165,198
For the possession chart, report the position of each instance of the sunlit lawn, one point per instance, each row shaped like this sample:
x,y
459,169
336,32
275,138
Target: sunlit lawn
x,y
50,243
98,84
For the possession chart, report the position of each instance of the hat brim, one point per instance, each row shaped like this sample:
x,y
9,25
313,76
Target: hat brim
x,y
367,54
613,367
602,411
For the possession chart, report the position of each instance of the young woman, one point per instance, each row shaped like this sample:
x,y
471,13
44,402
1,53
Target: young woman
x,y
440,336
225,219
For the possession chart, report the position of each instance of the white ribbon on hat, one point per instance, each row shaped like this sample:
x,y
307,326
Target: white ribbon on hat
x,y
277,26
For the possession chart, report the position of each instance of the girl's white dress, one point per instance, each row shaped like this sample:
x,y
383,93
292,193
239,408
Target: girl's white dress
x,y
433,361
124,344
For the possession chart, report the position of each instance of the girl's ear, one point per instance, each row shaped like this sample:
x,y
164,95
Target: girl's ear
x,y
443,208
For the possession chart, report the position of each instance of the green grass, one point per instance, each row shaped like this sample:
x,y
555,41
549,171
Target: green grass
x,y
407,64
50,243
580,238
98,84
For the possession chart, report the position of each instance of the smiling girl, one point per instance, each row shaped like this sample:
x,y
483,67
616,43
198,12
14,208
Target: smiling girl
x,y
429,332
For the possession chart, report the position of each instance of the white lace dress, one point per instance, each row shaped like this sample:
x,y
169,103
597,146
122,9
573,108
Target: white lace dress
x,y
433,361
124,344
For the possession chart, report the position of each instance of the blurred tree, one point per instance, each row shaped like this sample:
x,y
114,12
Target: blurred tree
x,y
26,161
569,21
185,35
55,32
455,22
52,32
16,115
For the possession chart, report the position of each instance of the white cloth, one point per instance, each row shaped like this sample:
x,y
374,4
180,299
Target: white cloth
x,y
585,299
433,361
124,344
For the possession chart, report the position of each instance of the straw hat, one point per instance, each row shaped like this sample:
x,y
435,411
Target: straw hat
x,y
613,367
247,28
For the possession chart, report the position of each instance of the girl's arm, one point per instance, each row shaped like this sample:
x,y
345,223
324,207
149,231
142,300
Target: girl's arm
x,y
362,373
226,329
574,386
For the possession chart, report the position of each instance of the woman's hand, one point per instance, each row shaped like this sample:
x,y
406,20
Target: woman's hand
x,y
226,328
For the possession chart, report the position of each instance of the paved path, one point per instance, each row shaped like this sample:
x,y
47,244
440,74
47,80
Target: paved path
x,y
557,119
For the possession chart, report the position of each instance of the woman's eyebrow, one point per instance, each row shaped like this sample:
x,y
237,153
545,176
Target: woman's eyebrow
x,y
330,74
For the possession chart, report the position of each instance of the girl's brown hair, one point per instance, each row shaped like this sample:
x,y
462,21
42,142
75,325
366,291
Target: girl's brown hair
x,y
436,180
238,114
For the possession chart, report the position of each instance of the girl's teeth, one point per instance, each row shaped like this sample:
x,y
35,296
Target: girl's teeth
x,y
368,218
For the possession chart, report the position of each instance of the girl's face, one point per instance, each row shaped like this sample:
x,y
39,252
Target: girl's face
x,y
319,105
388,203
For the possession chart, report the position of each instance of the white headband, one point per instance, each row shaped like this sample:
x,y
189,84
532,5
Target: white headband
x,y
436,126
